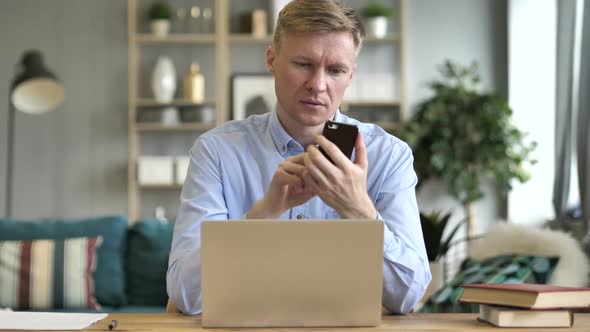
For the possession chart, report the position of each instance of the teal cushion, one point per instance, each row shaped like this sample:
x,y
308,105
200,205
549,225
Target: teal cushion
x,y
148,248
494,270
108,276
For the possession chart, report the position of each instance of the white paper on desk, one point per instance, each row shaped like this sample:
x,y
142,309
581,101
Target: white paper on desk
x,y
21,320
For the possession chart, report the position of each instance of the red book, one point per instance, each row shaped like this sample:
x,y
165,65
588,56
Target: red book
x,y
531,296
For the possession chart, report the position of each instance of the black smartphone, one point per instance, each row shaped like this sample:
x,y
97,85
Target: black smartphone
x,y
341,134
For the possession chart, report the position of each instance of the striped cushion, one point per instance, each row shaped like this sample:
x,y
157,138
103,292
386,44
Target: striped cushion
x,y
48,274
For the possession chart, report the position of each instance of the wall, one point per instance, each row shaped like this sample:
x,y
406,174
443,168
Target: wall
x,y
463,31
71,162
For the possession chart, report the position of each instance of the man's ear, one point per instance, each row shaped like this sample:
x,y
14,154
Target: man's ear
x,y
270,58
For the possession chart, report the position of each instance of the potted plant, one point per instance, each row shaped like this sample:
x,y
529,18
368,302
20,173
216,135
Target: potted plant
x,y
461,136
160,15
434,225
376,17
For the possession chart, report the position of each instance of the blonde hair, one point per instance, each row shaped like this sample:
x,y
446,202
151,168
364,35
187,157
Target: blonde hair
x,y
319,16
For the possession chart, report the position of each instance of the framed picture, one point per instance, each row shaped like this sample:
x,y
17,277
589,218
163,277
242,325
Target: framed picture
x,y
252,94
277,5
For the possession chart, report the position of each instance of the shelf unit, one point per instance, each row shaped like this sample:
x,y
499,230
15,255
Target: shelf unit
x,y
222,42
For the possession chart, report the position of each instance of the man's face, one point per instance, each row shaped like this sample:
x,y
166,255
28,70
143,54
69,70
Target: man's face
x,y
312,72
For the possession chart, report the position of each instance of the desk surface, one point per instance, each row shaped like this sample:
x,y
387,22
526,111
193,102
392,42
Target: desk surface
x,y
410,322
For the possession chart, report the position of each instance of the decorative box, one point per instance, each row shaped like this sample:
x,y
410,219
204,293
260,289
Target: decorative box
x,y
155,170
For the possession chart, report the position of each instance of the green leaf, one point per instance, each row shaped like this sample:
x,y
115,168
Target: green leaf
x,y
462,135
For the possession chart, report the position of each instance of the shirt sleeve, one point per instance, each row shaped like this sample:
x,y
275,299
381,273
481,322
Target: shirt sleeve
x,y
406,272
201,199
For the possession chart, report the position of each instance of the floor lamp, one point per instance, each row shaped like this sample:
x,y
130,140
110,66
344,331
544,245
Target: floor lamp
x,y
34,90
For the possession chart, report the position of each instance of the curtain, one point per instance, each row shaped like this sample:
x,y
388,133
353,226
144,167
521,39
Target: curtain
x,y
572,122
583,133
563,98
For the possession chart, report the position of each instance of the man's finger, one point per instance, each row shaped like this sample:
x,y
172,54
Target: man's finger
x,y
298,159
332,150
284,178
292,168
360,158
319,169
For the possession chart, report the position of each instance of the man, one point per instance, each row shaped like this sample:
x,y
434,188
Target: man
x,y
268,166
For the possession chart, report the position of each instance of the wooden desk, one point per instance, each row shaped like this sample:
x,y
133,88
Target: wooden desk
x,y
410,322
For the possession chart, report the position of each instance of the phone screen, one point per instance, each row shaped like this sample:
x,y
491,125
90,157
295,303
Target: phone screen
x,y
341,134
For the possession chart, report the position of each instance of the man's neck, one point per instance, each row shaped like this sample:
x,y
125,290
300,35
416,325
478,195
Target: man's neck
x,y
304,135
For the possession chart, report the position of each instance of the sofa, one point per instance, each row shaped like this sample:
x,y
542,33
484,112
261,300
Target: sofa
x,y
101,264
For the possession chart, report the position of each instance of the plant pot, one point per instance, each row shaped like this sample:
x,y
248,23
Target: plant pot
x,y
160,28
377,27
436,269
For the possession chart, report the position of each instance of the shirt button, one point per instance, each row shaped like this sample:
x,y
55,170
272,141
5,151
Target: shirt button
x,y
299,216
284,148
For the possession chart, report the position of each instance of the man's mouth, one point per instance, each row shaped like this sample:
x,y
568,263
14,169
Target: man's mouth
x,y
313,102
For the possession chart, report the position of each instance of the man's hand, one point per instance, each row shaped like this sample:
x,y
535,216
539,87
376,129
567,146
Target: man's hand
x,y
342,185
287,189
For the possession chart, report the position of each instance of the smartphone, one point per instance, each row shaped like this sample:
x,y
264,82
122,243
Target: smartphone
x,y
341,134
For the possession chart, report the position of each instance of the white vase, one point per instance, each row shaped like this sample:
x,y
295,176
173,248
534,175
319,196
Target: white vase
x,y
164,80
207,114
377,27
160,28
170,116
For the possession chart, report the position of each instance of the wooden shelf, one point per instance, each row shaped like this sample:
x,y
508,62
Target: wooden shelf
x,y
160,186
386,39
371,104
193,126
346,106
144,102
247,38
388,125
176,38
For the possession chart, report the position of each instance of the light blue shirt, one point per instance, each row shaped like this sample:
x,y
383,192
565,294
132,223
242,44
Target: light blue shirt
x,y
231,167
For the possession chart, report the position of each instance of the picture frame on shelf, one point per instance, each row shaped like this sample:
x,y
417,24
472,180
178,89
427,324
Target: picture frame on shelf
x,y
252,94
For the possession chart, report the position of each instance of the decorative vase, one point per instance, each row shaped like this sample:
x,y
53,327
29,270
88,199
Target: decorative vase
x,y
377,27
160,28
170,116
194,85
207,114
164,80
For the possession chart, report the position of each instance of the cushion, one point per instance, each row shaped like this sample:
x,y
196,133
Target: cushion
x,y
148,248
494,270
511,239
108,277
46,274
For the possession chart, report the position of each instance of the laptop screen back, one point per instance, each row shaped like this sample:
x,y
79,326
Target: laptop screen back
x,y
277,273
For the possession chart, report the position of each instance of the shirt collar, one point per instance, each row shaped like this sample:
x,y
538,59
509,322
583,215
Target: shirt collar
x,y
282,140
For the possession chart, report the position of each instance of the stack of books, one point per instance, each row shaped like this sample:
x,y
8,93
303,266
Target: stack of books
x,y
526,305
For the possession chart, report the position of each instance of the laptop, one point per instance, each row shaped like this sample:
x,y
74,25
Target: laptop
x,y
279,273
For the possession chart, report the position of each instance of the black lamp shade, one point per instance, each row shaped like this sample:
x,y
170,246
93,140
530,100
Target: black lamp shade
x,y
35,89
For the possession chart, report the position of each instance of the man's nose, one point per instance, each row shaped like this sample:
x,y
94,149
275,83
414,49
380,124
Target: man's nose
x,y
317,81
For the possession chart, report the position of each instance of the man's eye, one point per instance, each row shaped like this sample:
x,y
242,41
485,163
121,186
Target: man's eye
x,y
336,71
302,64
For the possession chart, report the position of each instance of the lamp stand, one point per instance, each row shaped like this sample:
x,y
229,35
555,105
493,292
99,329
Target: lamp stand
x,y
9,161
